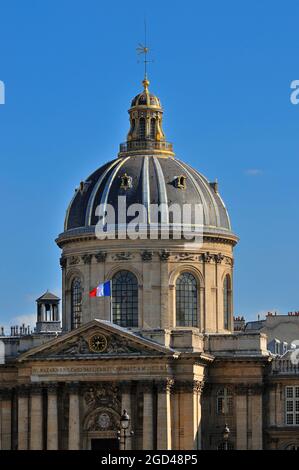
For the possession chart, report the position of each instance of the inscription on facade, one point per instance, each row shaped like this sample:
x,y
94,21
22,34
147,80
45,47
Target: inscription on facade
x,y
91,370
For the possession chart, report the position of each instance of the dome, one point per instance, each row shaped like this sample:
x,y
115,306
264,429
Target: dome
x,y
146,173
147,180
145,98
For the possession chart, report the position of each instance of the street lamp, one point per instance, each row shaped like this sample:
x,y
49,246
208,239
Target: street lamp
x,y
226,433
124,425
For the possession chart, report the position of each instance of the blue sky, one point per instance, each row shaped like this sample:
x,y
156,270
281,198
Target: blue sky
x,y
223,72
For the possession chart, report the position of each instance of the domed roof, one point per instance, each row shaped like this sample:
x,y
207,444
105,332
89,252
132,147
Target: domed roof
x,y
147,173
145,98
147,180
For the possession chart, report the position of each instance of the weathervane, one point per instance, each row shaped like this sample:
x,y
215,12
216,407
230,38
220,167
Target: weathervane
x,y
144,49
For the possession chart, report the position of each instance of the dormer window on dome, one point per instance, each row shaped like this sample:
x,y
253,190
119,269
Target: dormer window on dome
x,y
126,182
180,182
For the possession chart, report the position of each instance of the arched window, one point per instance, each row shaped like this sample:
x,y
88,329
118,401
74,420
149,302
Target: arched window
x,y
186,300
292,446
142,128
125,299
153,128
227,301
133,126
76,303
225,403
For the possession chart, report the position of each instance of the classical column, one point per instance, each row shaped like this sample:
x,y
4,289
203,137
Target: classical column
x,y
279,405
210,293
147,294
164,415
165,320
272,405
36,418
241,417
74,417
22,419
5,430
189,414
52,419
257,417
126,405
148,416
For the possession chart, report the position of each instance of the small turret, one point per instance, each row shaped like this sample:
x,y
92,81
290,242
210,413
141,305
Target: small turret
x,y
48,314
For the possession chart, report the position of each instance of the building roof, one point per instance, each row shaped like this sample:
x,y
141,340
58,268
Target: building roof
x,y
47,296
153,181
146,173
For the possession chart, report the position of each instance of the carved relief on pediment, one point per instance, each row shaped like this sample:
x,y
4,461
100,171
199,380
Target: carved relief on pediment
x,y
84,345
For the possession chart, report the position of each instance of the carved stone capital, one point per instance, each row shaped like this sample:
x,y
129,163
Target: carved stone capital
x,y
36,389
255,389
218,258
188,386
52,388
146,255
23,391
250,389
101,256
241,389
126,386
63,262
164,255
74,260
73,388
87,258
206,257
165,386
272,385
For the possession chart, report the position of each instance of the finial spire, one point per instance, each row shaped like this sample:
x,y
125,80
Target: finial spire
x,y
144,49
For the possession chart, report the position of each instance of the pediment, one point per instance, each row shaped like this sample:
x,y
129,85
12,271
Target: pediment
x,y
97,339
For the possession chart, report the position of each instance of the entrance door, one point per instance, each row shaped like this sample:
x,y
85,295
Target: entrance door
x,y
104,444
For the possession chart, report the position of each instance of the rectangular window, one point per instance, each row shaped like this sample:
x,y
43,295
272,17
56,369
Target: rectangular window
x,y
292,405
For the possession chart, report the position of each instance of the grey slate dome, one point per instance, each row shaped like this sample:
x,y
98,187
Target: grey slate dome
x,y
146,172
150,180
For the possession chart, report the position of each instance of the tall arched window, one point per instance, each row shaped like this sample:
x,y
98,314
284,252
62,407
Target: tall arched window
x,y
142,128
76,303
153,128
125,299
224,405
227,301
186,300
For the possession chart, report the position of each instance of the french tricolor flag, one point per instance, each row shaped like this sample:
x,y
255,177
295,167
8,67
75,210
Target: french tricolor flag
x,y
102,290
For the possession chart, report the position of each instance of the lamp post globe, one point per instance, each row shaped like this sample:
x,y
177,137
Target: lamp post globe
x,y
125,420
226,433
